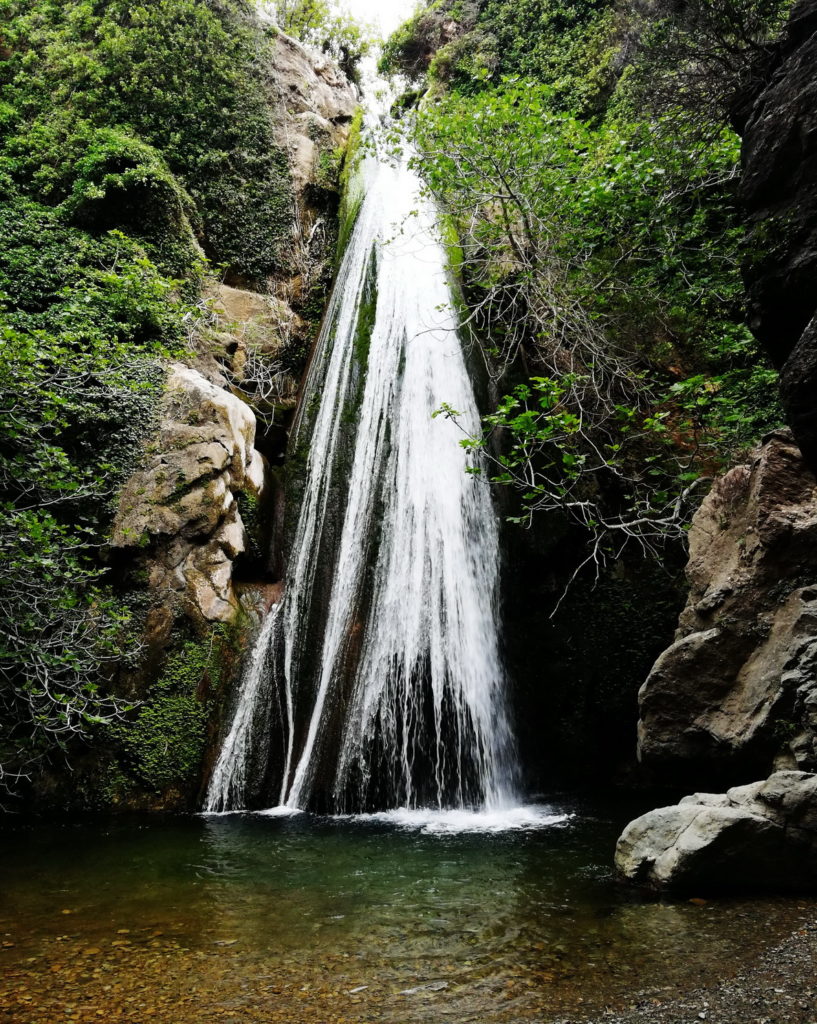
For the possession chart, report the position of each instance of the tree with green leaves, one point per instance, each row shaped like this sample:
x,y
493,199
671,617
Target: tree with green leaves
x,y
702,57
605,260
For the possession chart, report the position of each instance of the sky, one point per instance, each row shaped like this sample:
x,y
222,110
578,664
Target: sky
x,y
385,14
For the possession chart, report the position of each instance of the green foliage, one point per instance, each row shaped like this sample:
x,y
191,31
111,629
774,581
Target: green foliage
x,y
610,255
95,93
727,412
320,24
83,324
351,197
164,742
116,164
702,59
249,508
60,630
566,43
470,44
302,18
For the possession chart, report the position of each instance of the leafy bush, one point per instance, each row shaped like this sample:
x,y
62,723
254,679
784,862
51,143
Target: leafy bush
x,y
701,58
609,256
164,742
468,44
83,323
73,69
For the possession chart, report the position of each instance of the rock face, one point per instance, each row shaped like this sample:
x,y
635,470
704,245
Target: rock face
x,y
248,345
320,103
179,515
736,694
779,192
182,504
316,105
760,836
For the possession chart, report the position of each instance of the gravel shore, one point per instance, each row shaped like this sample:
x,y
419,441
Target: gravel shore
x,y
779,988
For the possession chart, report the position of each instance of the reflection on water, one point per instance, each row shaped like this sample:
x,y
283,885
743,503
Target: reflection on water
x,y
264,918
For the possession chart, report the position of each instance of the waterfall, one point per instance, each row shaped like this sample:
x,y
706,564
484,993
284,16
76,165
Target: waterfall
x,y
377,681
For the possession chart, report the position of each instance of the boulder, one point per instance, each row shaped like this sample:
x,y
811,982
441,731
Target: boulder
x,y
181,504
246,342
736,693
755,837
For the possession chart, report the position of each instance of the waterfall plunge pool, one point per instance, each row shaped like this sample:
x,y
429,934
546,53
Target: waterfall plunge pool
x,y
392,918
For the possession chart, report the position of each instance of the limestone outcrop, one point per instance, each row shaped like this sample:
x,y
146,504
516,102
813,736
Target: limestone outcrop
x,y
316,105
779,192
320,103
182,504
247,346
759,836
178,515
736,693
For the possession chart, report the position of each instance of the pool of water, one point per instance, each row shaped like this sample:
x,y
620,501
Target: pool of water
x,y
394,918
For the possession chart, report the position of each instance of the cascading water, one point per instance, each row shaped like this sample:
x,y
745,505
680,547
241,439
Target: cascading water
x,y
377,682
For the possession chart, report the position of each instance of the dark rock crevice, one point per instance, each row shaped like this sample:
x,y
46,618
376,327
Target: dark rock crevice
x,y
779,194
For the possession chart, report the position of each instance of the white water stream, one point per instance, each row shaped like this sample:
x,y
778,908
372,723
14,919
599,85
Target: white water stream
x,y
382,659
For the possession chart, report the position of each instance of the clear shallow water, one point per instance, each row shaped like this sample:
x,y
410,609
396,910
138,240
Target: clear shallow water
x,y
397,918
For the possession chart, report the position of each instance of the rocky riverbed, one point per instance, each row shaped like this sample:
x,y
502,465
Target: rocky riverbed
x,y
780,987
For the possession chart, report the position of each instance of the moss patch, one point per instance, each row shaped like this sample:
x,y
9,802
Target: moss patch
x,y
351,190
164,745
366,316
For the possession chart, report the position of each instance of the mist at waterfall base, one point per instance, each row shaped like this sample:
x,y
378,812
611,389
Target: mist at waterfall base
x,y
377,682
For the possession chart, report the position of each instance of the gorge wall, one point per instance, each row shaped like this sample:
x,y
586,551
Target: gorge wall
x,y
736,693
732,696
779,193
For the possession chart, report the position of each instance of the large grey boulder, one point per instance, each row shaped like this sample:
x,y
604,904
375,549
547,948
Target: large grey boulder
x,y
736,694
760,836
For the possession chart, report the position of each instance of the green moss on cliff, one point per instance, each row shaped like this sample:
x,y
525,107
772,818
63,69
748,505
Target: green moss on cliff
x,y
362,340
162,747
351,191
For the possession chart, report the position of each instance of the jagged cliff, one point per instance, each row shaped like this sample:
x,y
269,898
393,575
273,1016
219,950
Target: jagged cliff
x,y
181,508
